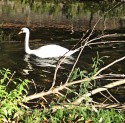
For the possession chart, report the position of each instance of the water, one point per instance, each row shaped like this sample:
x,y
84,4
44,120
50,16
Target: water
x,y
62,24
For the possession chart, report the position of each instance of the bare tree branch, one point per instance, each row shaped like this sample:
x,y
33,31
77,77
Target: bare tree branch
x,y
100,89
114,62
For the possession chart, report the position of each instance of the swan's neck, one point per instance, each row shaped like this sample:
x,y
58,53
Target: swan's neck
x,y
27,49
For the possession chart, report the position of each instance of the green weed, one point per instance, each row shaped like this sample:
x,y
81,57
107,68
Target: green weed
x,y
10,99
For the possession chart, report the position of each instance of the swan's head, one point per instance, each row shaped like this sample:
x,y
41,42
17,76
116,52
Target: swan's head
x,y
24,30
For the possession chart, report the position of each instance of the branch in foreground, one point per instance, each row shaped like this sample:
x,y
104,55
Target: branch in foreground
x,y
109,106
103,88
57,89
98,90
116,61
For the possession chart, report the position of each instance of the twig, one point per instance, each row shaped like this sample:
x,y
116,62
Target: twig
x,y
34,85
96,105
107,98
10,79
21,104
114,62
105,42
112,96
103,36
75,63
109,106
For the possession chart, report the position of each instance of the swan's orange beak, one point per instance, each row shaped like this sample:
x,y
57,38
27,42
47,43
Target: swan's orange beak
x,y
20,32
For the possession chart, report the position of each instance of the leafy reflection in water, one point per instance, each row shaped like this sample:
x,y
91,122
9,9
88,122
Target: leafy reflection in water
x,y
70,15
50,62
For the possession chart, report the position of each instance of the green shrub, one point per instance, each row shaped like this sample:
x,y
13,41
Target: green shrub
x,y
10,98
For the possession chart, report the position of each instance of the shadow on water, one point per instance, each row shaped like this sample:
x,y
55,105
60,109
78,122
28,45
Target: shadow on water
x,y
59,23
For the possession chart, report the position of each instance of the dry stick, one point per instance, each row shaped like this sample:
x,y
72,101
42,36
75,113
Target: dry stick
x,y
34,85
86,43
95,105
10,79
107,98
57,89
91,104
60,61
112,96
63,58
82,47
106,42
56,70
24,106
109,106
106,36
103,88
75,63
95,78
71,91
114,75
102,69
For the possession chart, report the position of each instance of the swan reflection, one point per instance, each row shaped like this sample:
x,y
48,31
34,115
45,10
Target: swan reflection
x,y
32,60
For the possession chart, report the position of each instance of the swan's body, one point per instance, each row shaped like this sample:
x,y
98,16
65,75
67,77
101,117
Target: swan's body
x,y
47,51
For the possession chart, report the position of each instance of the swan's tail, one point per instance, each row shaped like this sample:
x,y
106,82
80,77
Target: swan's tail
x,y
72,52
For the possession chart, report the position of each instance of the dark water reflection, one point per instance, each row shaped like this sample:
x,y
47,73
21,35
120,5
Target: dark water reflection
x,y
61,24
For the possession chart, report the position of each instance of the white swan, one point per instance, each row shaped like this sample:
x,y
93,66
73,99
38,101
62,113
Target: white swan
x,y
47,51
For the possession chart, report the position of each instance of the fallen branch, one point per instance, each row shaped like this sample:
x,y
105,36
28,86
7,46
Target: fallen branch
x,y
109,106
114,62
57,89
103,88
92,106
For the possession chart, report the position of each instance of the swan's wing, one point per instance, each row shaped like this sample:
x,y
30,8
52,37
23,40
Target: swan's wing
x,y
49,51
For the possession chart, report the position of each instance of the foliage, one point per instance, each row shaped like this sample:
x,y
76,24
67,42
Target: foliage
x,y
97,61
70,9
77,73
74,114
10,99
